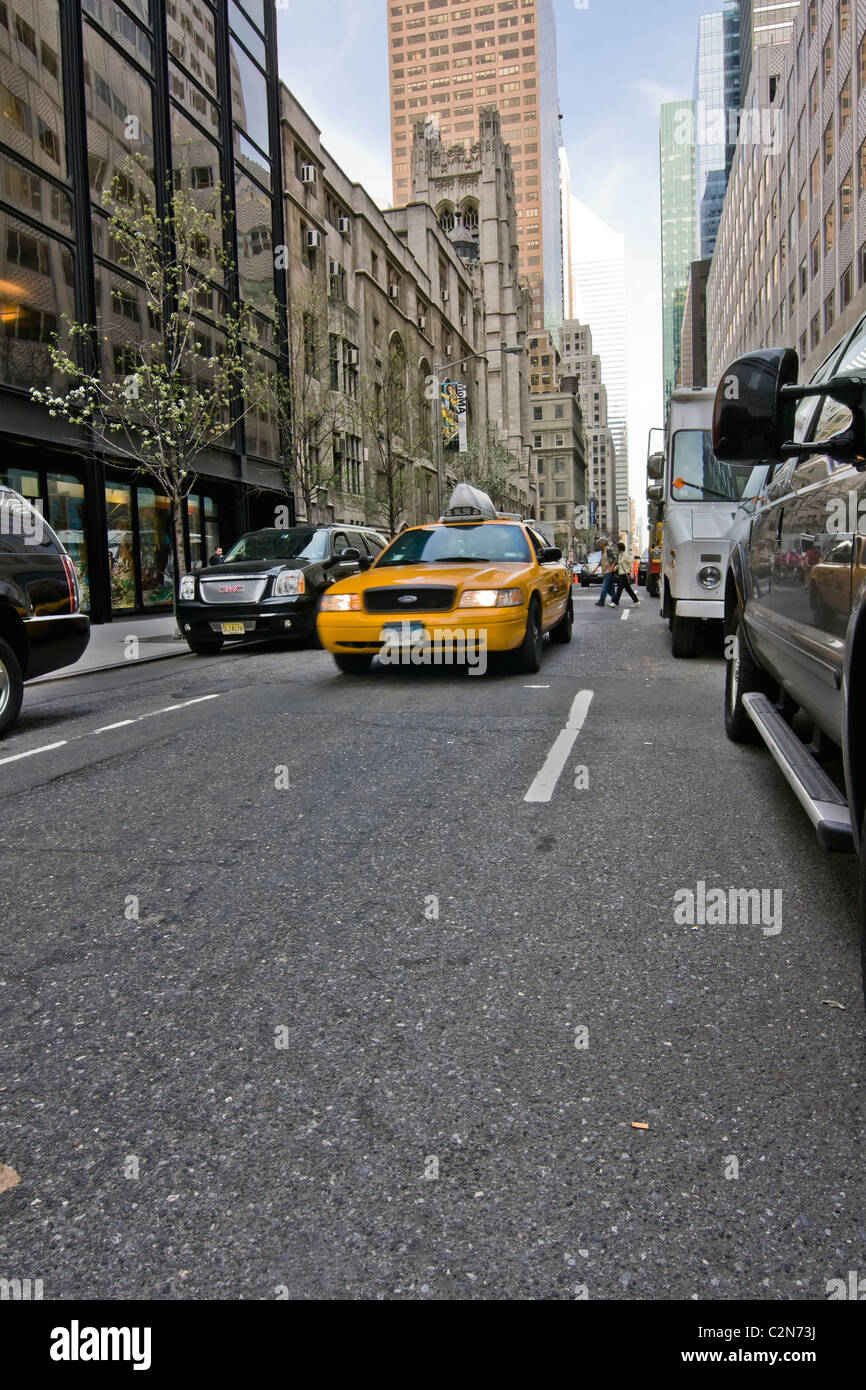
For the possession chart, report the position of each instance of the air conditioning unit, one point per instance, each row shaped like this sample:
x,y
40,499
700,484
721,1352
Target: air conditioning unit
x,y
344,224
422,320
353,357
464,320
334,267
393,291
309,173
444,296
314,241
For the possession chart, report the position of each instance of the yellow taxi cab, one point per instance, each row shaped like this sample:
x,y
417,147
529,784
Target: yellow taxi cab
x,y
475,581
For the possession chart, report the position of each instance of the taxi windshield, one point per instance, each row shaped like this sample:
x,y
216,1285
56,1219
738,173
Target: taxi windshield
x,y
698,476
299,543
464,544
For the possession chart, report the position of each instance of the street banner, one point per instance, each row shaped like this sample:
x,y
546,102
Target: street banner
x,y
462,414
450,416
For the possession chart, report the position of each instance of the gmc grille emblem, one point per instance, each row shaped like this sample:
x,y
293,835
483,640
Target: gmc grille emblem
x,y
230,589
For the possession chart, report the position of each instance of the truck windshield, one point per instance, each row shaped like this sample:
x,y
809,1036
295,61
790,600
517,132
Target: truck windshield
x,y
698,476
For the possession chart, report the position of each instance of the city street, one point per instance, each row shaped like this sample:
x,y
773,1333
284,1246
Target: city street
x,y
301,997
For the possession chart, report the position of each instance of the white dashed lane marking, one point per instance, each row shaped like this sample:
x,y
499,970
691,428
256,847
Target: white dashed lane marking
x,y
107,728
31,752
543,787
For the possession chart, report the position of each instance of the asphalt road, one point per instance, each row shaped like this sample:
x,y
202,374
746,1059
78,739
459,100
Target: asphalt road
x,y
241,1056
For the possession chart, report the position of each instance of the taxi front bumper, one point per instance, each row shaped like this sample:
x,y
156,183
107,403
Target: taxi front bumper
x,y
499,630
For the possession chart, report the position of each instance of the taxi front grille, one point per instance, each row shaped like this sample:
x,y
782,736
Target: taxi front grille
x,y
407,599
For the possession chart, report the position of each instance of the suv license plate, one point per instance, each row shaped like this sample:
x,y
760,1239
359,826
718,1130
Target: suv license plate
x,y
232,629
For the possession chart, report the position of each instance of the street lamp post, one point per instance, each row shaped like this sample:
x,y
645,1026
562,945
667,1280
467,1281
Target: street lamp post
x,y
437,411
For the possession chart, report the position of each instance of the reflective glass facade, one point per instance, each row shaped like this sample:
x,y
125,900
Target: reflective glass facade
x,y
133,96
717,97
679,226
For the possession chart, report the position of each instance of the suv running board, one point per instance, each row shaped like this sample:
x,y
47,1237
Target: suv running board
x,y
820,798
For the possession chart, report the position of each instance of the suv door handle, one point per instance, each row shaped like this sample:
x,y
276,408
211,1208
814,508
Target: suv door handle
x,y
778,545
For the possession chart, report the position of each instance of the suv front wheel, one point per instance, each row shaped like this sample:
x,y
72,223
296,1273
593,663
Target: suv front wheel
x,y
11,687
743,676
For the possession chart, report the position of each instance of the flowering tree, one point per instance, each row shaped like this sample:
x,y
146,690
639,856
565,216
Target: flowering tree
x,y
163,385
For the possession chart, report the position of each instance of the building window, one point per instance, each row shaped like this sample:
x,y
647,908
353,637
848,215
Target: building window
x,y
537,413
828,143
845,104
816,254
815,331
830,229
846,199
828,312
845,290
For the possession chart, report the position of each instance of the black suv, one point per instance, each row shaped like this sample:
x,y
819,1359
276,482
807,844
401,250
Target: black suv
x,y
41,627
270,582
795,594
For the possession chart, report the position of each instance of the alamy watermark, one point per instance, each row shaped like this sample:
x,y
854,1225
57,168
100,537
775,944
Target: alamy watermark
x,y
702,125
406,645
719,907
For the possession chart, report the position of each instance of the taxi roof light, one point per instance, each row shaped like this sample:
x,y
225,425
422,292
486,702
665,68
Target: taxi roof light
x,y
469,503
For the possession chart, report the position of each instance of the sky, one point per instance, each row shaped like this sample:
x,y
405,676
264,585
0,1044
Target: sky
x,y
618,61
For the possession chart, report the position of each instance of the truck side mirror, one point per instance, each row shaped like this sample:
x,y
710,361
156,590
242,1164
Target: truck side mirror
x,y
655,465
654,492
752,419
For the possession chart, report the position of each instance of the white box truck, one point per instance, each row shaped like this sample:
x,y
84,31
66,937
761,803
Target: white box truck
x,y
700,497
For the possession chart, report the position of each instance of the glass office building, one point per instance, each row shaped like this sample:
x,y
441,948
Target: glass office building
x,y
189,92
717,99
679,226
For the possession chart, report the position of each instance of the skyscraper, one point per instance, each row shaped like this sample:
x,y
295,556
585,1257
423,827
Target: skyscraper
x,y
579,360
447,63
717,98
598,299
763,22
679,222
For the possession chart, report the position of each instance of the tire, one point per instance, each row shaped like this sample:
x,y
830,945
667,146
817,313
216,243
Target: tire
x,y
527,658
584,583
201,646
652,585
561,634
743,676
11,687
684,635
354,664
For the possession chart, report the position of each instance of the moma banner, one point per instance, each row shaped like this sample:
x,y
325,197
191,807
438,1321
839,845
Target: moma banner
x,y
454,416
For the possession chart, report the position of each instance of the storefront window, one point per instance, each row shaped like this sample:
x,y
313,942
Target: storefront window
x,y
66,516
118,504
211,528
27,484
154,537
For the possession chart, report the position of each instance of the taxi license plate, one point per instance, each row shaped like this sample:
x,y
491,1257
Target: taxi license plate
x,y
405,631
232,629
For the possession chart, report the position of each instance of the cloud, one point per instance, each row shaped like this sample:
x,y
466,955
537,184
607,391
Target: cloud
x,y
654,94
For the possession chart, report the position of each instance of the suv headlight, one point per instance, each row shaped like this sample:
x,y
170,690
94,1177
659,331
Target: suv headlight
x,y
709,577
341,603
289,582
490,598
187,586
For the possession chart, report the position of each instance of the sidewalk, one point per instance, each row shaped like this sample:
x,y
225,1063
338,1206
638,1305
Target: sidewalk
x,y
124,642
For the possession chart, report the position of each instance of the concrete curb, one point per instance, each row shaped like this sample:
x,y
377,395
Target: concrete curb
x,y
112,666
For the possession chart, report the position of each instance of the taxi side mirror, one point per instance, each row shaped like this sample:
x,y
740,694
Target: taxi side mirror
x,y
549,554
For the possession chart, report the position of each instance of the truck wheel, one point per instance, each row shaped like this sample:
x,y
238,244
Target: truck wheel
x,y
743,676
684,635
11,687
652,585
562,632
527,658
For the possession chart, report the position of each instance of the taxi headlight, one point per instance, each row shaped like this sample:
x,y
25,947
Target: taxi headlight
x,y
289,582
187,586
709,577
490,598
341,603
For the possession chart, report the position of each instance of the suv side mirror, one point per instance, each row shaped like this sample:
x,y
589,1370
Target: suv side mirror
x,y
752,416
350,555
549,554
655,465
